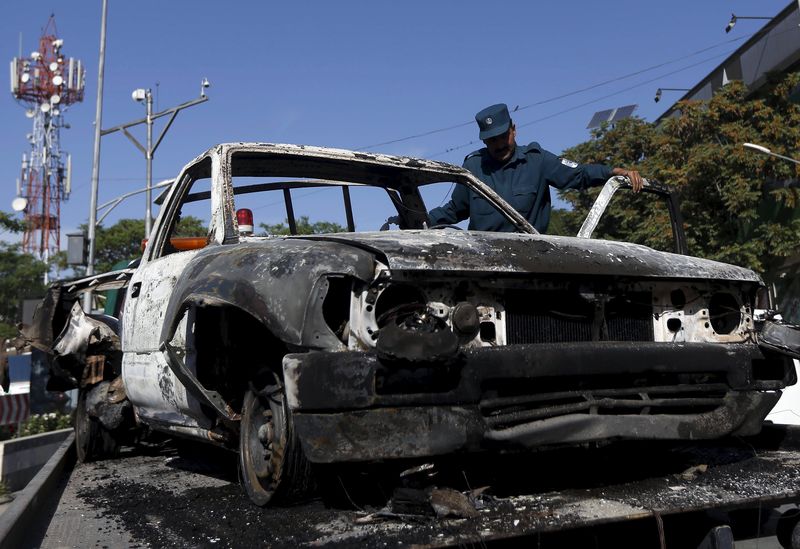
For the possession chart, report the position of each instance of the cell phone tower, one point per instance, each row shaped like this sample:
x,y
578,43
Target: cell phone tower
x,y
46,84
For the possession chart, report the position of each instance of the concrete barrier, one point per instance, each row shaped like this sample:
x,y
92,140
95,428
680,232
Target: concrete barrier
x,y
21,458
22,513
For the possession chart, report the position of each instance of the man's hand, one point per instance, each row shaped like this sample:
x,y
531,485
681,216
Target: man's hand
x,y
632,175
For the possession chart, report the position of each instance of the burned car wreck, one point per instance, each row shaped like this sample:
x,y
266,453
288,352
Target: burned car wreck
x,y
412,341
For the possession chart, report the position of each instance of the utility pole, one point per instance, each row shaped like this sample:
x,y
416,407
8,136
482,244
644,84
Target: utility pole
x,y
148,215
146,96
98,121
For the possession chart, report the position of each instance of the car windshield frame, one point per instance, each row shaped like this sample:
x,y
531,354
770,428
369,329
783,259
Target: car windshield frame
x,y
401,177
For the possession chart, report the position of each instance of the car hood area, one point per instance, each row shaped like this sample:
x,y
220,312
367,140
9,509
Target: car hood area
x,y
473,251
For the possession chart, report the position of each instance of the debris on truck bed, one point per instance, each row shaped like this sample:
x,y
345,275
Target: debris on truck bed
x,y
550,497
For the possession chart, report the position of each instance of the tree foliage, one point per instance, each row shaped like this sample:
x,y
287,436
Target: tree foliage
x,y
728,212
21,277
123,240
304,226
9,223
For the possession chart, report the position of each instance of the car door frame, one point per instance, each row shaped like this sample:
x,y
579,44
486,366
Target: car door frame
x,y
649,186
151,383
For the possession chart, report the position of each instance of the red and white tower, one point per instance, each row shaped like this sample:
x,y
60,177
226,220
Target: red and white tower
x,y
46,84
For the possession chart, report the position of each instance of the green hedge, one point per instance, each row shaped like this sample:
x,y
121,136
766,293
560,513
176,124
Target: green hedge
x,y
44,423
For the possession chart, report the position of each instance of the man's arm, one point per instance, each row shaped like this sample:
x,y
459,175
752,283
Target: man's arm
x,y
457,209
566,174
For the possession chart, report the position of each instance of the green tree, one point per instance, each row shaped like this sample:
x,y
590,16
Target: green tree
x,y
8,223
122,241
21,277
561,222
304,226
729,215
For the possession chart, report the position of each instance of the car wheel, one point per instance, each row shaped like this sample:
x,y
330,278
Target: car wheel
x,y
92,441
271,459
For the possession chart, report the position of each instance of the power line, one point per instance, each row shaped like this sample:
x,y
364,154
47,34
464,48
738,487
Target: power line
x,y
791,29
558,97
636,73
416,136
576,107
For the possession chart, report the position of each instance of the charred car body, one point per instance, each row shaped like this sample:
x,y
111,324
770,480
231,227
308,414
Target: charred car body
x,y
362,346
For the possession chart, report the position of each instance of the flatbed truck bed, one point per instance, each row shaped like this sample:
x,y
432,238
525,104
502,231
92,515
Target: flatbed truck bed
x,y
621,495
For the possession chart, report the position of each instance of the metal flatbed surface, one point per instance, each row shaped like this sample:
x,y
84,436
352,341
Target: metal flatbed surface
x,y
156,498
735,474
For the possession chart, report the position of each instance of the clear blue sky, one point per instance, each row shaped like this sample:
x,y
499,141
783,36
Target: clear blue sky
x,y
353,74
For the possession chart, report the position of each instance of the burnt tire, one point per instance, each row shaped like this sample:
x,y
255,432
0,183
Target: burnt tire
x,y
271,461
92,441
787,530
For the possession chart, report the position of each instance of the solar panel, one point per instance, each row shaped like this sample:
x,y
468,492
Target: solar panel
x,y
623,112
599,118
611,115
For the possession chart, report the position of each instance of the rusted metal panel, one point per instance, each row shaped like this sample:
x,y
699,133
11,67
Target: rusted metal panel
x,y
338,407
82,331
93,372
273,281
106,401
425,431
53,314
388,433
784,338
40,332
351,379
83,349
492,253
151,288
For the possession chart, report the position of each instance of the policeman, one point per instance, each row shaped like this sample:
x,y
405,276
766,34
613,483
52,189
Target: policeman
x,y
521,175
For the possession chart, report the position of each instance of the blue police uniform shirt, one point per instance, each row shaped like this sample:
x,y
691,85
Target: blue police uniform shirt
x,y
523,181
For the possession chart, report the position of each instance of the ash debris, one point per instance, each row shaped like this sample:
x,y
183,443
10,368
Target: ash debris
x,y
165,498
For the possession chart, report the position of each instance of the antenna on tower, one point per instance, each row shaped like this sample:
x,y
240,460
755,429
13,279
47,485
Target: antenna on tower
x,y
45,84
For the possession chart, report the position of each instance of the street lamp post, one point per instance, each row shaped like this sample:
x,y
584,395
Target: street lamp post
x,y
765,150
735,18
657,98
96,158
114,202
98,120
148,215
146,96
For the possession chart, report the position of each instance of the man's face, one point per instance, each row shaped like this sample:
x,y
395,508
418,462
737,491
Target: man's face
x,y
502,146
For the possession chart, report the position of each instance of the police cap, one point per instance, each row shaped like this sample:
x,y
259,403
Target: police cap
x,y
493,121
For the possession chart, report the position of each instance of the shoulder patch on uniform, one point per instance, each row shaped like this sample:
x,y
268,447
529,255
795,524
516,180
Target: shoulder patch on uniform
x,y
569,163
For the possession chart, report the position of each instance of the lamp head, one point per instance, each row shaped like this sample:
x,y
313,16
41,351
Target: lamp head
x,y
759,148
731,23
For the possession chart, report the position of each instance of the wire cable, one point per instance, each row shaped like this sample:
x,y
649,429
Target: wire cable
x,y
562,96
584,104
